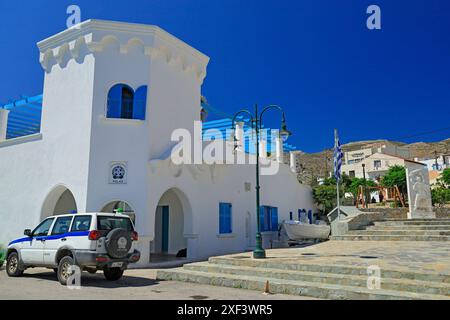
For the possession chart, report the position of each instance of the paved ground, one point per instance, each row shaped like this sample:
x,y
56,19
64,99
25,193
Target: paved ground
x,y
135,285
429,256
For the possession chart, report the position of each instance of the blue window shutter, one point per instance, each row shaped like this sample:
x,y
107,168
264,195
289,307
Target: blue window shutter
x,y
310,216
261,218
274,218
299,214
221,218
228,218
114,102
140,103
225,218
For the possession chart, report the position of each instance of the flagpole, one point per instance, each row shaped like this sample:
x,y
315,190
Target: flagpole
x,y
337,180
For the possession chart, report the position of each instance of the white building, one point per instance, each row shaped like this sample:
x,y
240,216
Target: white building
x,y
439,163
113,95
376,160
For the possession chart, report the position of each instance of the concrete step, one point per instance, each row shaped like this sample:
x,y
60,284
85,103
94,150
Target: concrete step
x,y
407,227
411,223
365,237
327,278
343,269
399,232
304,288
419,220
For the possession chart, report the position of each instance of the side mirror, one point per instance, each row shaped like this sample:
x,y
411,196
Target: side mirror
x,y
27,232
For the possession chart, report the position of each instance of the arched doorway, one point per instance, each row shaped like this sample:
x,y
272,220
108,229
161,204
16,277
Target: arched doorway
x,y
172,223
120,206
58,201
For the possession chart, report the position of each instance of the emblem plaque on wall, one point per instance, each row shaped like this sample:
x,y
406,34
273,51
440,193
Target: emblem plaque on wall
x,y
118,172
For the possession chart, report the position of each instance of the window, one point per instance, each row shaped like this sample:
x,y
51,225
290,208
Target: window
x,y
225,220
81,223
269,218
106,223
351,173
377,164
62,225
43,228
124,103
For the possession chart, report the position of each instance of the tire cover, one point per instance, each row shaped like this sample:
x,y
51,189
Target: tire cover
x,y
118,243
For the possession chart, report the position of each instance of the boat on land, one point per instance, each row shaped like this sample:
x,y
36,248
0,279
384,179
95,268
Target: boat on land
x,y
297,230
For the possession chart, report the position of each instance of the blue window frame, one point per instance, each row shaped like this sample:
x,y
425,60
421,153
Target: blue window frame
x,y
125,103
268,218
225,219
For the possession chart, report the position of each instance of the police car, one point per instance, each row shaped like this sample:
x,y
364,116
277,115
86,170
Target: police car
x,y
91,241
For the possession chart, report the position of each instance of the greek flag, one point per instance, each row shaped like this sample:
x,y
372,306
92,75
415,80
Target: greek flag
x,y
337,157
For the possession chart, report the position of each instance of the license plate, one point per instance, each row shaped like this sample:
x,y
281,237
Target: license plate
x,y
117,264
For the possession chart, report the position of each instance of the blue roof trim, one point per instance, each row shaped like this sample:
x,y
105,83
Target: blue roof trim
x,y
24,117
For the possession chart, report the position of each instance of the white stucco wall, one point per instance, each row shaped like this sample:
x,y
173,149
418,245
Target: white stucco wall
x,y
78,143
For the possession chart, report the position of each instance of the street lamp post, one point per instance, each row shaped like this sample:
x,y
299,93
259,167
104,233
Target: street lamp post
x,y
256,121
364,180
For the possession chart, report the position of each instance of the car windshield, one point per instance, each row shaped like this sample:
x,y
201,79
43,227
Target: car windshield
x,y
105,223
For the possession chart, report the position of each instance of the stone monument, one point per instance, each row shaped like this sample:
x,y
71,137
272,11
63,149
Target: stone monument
x,y
419,192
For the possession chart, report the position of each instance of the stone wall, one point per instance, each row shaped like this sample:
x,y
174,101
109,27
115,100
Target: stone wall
x,y
401,213
442,212
389,213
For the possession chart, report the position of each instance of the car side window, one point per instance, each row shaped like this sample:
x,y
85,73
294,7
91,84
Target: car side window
x,y
62,225
81,223
43,228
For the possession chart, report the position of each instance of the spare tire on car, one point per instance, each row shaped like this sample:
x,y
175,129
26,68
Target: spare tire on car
x,y
118,243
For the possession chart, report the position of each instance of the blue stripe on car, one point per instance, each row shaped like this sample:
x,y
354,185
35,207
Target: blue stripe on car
x,y
52,237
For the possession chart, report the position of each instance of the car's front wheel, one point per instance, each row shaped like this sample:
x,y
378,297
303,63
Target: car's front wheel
x,y
113,274
65,269
13,265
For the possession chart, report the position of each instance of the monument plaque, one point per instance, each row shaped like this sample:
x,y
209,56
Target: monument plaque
x,y
419,192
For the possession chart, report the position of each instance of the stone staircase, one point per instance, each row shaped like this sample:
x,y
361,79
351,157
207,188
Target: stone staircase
x,y
402,230
320,280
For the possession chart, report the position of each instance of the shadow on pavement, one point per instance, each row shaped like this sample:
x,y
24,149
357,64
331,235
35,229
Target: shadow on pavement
x,y
97,280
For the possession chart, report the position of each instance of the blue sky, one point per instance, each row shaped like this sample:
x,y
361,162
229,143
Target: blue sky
x,y
315,58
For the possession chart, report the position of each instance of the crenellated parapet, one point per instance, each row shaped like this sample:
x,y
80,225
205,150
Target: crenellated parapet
x,y
97,36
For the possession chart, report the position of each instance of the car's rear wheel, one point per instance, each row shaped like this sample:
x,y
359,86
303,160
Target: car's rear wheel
x,y
13,265
65,269
113,274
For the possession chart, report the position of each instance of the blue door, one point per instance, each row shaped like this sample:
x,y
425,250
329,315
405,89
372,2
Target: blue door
x,y
165,229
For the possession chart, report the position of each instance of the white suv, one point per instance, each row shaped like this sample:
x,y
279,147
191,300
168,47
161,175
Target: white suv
x,y
91,241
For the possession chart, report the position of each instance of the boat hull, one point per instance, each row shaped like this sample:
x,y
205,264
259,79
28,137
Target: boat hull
x,y
306,231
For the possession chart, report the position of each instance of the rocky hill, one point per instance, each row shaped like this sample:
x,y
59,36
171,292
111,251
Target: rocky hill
x,y
316,164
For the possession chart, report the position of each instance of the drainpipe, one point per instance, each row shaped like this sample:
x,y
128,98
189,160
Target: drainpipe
x,y
3,123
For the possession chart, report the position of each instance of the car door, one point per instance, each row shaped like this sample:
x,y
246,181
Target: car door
x,y
56,239
32,251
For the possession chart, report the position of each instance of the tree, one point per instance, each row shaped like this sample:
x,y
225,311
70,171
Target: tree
x,y
345,181
396,176
440,196
445,178
325,196
356,183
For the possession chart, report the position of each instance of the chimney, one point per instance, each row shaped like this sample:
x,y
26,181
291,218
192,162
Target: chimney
x,y
3,123
263,148
239,134
294,161
279,149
